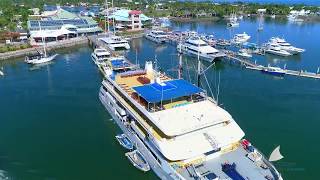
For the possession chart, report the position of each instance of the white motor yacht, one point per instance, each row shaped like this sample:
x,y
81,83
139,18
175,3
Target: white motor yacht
x,y
244,53
274,71
100,56
157,36
116,43
286,46
195,46
241,38
273,48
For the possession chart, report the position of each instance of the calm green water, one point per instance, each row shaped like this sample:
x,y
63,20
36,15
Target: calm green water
x,y
52,125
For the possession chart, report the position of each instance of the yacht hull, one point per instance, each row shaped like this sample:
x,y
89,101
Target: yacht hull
x,y
158,41
140,145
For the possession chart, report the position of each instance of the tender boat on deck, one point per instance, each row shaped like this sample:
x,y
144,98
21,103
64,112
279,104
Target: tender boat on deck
x,y
137,159
124,141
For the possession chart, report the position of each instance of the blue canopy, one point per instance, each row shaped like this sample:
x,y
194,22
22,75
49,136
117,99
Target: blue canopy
x,y
173,89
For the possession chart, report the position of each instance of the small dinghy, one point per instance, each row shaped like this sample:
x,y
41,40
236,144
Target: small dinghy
x,y
124,141
138,160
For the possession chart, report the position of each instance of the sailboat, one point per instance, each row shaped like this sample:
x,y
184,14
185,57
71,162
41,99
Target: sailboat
x,y
40,58
233,21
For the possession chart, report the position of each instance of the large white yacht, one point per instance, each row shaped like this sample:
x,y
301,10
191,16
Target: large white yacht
x,y
157,36
116,43
240,38
180,131
195,46
286,46
100,56
273,48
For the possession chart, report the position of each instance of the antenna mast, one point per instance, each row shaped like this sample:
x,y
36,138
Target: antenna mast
x,y
113,23
199,65
106,24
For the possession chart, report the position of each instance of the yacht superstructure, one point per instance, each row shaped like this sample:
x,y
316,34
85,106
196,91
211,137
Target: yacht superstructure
x,y
157,36
180,131
273,48
100,56
195,46
116,43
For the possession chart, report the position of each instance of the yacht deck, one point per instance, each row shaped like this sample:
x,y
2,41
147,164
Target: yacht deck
x,y
244,166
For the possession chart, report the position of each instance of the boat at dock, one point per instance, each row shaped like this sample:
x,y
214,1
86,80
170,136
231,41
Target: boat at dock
x,y
157,36
138,161
284,45
162,116
233,21
124,141
40,58
240,38
273,48
273,70
116,43
244,53
195,46
100,55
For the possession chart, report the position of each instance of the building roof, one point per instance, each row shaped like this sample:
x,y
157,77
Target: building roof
x,y
59,18
173,89
123,15
135,12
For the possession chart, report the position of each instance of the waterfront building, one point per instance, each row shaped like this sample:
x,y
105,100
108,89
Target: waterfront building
x,y
131,19
60,24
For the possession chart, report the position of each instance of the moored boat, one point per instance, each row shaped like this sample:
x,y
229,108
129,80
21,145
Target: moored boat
x,y
275,49
274,70
138,161
124,141
157,36
195,46
100,55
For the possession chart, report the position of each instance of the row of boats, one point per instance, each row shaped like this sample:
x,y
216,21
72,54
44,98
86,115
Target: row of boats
x,y
176,129
204,45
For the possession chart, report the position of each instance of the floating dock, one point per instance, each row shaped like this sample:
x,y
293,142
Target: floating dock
x,y
253,66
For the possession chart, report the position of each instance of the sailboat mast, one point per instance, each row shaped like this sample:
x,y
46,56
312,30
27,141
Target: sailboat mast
x,y
180,67
199,65
113,23
106,19
43,41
